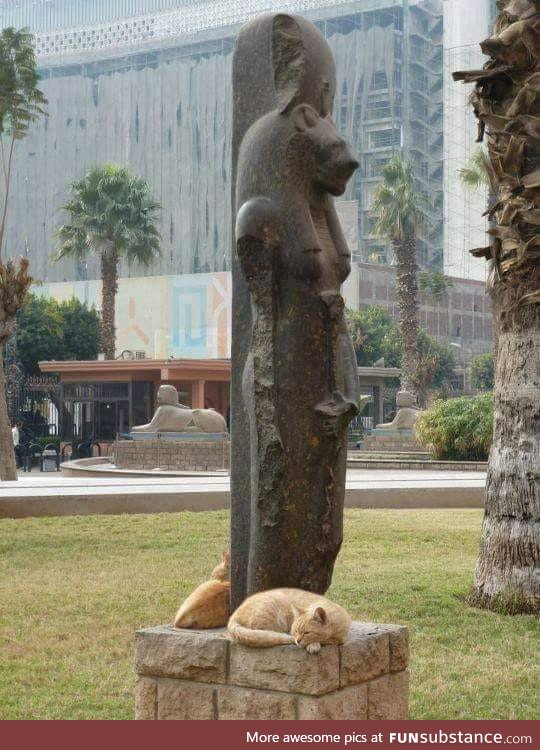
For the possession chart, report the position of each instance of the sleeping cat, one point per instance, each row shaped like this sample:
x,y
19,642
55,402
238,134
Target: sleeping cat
x,y
208,606
282,616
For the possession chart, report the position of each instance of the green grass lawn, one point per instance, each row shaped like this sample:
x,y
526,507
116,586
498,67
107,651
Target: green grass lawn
x,y
73,590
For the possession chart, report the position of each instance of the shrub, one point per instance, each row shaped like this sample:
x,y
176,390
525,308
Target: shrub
x,y
458,429
482,372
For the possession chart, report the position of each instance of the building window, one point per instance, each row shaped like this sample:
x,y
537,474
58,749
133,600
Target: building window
x,y
369,224
375,253
378,107
385,138
379,80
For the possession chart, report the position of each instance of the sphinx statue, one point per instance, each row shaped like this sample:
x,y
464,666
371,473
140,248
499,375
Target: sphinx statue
x,y
172,416
406,415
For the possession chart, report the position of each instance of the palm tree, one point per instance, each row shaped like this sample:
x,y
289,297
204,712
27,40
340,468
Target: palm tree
x,y
397,206
476,175
435,283
21,103
506,100
113,215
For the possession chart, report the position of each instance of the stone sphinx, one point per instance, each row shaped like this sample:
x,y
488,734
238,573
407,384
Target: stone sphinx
x,y
406,415
172,416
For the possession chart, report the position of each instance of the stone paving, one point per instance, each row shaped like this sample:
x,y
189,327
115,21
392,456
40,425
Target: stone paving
x,y
52,494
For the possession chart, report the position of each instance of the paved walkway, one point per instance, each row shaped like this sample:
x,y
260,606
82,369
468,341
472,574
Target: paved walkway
x,y
52,494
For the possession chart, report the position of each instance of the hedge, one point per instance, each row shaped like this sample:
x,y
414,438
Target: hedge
x,y
458,429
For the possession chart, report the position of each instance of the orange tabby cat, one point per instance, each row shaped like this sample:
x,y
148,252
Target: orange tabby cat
x,y
208,606
281,616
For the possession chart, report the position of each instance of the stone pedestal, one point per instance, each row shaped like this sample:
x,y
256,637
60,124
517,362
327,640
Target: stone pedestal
x,y
170,454
391,441
201,674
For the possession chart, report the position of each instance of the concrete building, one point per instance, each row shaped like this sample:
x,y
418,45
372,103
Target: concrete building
x,y
147,83
465,227
190,314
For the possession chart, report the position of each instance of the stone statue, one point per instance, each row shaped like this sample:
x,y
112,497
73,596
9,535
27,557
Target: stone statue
x,y
295,381
363,401
406,415
172,416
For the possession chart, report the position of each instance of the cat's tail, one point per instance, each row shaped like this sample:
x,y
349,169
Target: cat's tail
x,y
258,638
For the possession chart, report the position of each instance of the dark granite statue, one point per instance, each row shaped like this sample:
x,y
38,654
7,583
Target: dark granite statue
x,y
295,384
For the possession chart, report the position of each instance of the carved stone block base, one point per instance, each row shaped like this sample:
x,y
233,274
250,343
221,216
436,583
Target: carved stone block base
x,y
201,674
172,455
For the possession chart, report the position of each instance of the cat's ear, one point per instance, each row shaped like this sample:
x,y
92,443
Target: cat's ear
x,y
320,616
226,556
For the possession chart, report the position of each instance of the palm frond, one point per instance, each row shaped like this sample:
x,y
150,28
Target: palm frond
x,y
110,210
399,208
475,175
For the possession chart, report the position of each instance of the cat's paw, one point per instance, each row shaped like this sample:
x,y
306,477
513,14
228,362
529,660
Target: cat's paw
x,y
313,648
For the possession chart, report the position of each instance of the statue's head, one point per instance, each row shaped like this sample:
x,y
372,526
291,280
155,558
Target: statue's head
x,y
280,61
405,399
167,395
303,65
325,156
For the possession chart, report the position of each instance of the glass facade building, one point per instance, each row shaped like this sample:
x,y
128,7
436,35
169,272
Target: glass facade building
x,y
147,83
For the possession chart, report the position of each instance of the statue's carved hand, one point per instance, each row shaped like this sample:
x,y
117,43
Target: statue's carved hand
x,y
335,412
329,425
334,304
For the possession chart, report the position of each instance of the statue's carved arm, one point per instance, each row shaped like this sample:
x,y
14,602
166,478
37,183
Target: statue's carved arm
x,y
257,239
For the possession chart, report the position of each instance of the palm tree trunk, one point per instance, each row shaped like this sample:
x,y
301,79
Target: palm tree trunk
x,y
507,573
506,576
109,277
8,467
407,299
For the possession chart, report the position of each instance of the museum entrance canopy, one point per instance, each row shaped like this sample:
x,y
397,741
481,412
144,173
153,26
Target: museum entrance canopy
x,y
103,398
100,399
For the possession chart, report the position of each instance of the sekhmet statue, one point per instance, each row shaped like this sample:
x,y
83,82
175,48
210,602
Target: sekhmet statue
x,y
298,385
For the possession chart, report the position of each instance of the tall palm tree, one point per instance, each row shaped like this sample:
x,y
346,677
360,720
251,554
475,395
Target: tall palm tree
x,y
21,103
398,208
113,215
506,100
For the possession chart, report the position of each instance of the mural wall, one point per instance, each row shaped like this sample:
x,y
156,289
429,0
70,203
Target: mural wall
x,y
186,316
189,316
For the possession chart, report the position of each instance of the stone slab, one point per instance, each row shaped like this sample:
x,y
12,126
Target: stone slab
x,y
285,668
365,654
243,703
146,698
388,696
400,651
182,701
164,651
349,703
